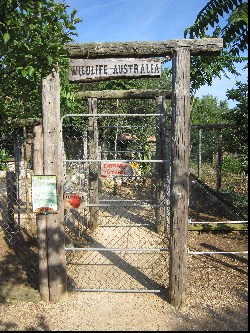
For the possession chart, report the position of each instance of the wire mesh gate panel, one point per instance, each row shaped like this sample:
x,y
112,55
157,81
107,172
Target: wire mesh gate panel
x,y
116,202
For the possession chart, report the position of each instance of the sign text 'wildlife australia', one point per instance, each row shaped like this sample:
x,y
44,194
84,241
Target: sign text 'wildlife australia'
x,y
84,70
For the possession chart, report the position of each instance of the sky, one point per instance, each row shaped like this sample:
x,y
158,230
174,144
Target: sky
x,y
144,20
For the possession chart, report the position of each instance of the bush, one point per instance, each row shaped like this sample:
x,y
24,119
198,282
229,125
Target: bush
x,y
3,159
231,164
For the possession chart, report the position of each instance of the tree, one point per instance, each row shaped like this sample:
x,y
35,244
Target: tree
x,y
234,34
32,36
237,139
207,110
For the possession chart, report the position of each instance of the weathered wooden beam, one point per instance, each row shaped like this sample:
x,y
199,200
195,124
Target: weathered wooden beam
x,y
41,218
204,46
124,94
179,189
52,157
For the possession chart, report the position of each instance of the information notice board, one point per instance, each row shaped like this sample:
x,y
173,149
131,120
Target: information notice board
x,y
44,194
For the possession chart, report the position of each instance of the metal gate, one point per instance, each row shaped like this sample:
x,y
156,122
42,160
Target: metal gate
x,y
116,194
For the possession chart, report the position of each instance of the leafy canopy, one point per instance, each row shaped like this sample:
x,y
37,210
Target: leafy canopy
x,y
234,34
32,36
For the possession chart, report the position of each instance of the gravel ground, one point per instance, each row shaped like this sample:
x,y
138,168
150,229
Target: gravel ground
x,y
216,297
125,312
216,300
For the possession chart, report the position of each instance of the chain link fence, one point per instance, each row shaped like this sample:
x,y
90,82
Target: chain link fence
x,y
219,162
116,239
18,241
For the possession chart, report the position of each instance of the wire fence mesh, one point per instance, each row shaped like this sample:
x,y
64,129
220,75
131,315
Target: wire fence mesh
x,y
219,161
18,242
118,223
117,240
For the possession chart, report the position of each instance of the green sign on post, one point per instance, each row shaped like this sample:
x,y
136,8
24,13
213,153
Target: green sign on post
x,y
44,194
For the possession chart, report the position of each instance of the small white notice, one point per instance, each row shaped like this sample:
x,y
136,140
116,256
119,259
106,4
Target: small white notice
x,y
44,194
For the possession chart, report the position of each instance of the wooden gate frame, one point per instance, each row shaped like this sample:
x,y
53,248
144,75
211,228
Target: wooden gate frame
x,y
52,261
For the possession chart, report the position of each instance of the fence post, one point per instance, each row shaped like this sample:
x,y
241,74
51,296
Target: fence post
x,y
161,168
179,196
41,218
10,181
93,167
52,152
17,157
199,152
219,162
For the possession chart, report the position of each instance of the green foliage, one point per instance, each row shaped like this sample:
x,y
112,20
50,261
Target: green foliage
x,y
234,34
3,159
239,200
230,164
208,110
142,150
32,36
236,140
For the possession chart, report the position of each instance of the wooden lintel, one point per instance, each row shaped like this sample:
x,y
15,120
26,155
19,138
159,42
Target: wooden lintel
x,y
124,94
204,46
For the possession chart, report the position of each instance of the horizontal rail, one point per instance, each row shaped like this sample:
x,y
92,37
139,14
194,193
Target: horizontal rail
x,y
114,249
119,290
217,252
137,225
119,161
97,115
123,200
219,222
127,205
123,94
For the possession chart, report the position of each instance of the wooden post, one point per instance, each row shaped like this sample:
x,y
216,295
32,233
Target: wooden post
x,y
93,167
41,218
161,169
52,153
199,152
17,154
219,162
10,181
179,196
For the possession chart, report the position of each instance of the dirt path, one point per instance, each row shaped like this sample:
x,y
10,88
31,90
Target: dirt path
x,y
124,312
216,298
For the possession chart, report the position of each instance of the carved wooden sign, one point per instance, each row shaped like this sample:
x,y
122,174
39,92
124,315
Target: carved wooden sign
x,y
85,70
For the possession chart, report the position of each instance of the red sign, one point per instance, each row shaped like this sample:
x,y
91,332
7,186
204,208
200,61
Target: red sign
x,y
75,200
115,169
